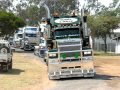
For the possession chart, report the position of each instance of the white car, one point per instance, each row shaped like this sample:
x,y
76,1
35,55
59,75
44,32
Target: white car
x,y
5,56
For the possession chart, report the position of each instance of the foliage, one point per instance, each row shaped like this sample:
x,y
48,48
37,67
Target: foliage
x,y
9,23
103,24
33,13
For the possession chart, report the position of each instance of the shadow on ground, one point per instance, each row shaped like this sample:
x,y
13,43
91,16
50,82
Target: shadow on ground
x,y
12,72
23,51
17,50
96,77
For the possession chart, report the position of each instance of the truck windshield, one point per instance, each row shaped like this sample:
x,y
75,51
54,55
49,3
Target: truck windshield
x,y
67,33
31,29
20,36
31,35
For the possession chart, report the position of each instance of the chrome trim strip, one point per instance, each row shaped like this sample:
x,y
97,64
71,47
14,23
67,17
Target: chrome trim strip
x,y
69,45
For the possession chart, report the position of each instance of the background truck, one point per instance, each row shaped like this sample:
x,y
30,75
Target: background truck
x,y
5,56
30,38
69,47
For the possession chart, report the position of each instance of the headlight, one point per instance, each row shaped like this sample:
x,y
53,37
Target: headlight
x,y
53,55
87,52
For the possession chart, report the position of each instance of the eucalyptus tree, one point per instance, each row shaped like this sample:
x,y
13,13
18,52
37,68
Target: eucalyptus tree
x,y
31,11
103,23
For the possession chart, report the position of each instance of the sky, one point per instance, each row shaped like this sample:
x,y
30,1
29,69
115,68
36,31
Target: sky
x,y
104,2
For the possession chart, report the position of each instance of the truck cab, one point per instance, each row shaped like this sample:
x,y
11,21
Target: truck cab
x,y
30,37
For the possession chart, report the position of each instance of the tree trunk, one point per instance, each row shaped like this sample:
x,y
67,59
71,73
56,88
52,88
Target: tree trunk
x,y
105,42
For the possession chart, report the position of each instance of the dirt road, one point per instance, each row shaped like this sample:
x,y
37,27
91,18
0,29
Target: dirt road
x,y
30,73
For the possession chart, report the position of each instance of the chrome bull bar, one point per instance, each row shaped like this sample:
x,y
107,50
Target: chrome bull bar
x,y
72,73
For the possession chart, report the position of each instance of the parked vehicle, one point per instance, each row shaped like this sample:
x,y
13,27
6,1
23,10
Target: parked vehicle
x,y
5,56
10,40
30,38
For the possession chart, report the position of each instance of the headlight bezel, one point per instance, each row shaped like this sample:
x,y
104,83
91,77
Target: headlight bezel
x,y
87,53
53,55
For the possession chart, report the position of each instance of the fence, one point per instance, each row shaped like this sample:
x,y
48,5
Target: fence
x,y
101,47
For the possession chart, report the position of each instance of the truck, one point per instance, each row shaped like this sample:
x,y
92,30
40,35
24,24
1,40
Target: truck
x,y
5,56
69,44
30,38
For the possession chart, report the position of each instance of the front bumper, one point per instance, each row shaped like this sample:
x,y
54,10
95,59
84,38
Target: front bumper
x,y
29,46
72,73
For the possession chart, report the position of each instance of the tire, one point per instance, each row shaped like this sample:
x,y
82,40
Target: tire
x,y
47,63
24,48
4,48
10,65
5,67
34,53
44,60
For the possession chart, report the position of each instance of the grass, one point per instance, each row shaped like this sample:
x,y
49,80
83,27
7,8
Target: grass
x,y
101,53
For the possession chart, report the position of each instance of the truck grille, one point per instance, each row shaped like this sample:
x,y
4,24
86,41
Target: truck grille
x,y
33,43
68,43
70,54
69,48
70,60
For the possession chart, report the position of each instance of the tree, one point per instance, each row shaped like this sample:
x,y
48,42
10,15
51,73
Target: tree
x,y
104,20
32,12
9,23
103,24
5,5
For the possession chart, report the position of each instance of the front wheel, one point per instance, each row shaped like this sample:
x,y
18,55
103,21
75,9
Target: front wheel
x,y
6,67
10,65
